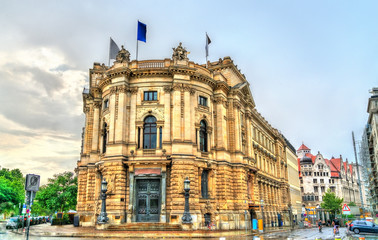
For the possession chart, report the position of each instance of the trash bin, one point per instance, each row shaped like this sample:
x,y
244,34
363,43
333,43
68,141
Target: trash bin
x,y
76,221
254,224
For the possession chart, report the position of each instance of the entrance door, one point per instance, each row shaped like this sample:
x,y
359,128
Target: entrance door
x,y
148,200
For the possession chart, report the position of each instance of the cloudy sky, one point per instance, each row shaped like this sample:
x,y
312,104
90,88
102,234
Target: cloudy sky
x,y
310,65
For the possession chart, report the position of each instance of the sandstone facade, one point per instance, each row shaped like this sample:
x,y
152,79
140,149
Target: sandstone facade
x,y
151,124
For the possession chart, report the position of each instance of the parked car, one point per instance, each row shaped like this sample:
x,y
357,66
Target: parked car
x,y
13,222
358,226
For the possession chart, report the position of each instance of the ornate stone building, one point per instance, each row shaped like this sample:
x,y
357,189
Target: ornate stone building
x,y
152,124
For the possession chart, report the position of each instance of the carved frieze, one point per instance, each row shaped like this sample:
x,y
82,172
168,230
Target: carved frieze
x,y
144,111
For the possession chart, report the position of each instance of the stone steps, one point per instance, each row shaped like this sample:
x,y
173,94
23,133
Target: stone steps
x,y
145,227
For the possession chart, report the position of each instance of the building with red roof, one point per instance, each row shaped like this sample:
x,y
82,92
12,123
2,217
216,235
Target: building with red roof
x,y
318,174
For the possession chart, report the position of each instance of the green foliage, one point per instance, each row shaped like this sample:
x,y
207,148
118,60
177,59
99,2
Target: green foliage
x,y
331,202
352,204
58,195
11,190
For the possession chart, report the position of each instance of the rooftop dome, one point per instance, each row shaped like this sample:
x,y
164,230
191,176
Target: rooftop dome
x,y
306,160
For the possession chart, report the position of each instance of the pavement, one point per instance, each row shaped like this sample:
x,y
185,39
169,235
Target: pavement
x,y
46,230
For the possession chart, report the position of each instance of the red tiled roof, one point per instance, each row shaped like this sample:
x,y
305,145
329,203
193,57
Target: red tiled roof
x,y
303,147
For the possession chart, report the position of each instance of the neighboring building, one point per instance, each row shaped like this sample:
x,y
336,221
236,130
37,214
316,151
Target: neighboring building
x,y
152,124
318,174
293,175
369,151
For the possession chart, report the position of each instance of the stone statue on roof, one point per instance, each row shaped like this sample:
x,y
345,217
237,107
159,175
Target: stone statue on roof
x,y
180,53
123,55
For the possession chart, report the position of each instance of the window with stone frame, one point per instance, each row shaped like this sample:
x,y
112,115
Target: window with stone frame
x,y
322,189
150,96
321,180
106,103
104,137
316,189
203,136
315,180
202,101
205,183
149,133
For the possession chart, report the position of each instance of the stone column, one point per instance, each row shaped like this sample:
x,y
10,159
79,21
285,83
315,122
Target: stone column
x,y
167,114
176,113
120,130
132,129
141,137
163,212
96,126
188,126
131,207
158,137
112,114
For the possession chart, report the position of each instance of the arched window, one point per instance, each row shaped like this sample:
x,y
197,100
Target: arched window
x,y
149,134
203,136
104,138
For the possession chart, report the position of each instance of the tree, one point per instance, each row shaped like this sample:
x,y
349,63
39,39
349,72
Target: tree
x,y
58,195
331,202
11,190
352,204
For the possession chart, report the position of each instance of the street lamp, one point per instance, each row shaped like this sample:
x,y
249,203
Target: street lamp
x,y
103,218
262,211
186,218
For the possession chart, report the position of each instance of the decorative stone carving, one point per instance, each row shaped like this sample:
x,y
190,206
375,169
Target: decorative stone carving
x,y
97,104
167,89
111,184
142,112
133,90
123,56
180,53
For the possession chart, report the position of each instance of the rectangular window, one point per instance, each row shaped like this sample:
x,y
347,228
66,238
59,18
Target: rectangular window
x,y
316,189
202,101
301,189
316,198
315,180
204,184
150,96
321,180
322,189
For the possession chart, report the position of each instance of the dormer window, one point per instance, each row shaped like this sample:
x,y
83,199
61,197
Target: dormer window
x,y
150,96
202,101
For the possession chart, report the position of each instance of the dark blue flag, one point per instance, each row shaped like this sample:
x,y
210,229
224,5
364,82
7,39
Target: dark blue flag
x,y
142,31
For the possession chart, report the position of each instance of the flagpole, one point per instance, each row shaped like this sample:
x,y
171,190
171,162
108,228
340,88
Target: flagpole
x,y
137,42
207,49
109,51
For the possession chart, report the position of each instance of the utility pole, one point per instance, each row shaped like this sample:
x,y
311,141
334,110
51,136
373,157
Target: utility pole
x,y
358,171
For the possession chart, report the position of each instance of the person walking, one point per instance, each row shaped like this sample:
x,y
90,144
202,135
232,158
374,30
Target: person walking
x,y
320,225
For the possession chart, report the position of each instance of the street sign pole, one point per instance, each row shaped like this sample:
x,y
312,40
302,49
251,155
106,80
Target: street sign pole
x,y
31,187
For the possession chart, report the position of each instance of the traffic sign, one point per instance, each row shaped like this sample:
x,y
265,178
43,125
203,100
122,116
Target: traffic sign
x,y
346,208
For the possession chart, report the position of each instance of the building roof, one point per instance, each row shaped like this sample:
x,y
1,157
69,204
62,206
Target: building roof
x,y
303,147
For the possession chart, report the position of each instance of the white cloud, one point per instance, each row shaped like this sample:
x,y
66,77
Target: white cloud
x,y
41,115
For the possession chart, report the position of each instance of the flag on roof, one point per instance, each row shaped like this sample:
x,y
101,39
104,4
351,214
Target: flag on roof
x,y
208,41
113,49
142,31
